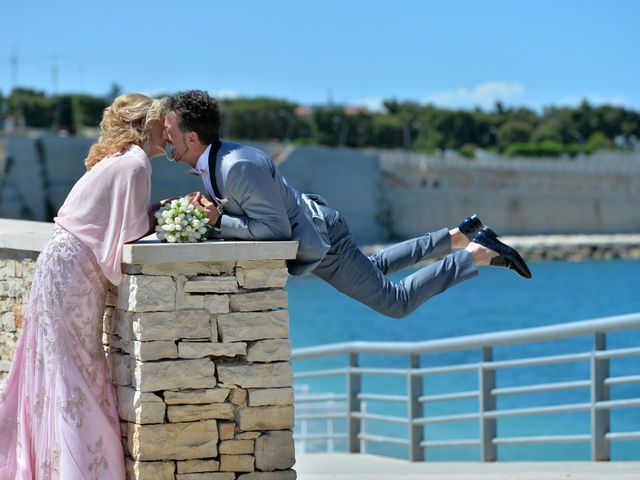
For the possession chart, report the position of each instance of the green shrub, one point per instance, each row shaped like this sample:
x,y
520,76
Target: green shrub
x,y
548,148
599,141
468,150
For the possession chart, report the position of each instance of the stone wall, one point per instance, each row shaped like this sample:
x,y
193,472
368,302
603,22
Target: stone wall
x,y
197,342
516,197
16,273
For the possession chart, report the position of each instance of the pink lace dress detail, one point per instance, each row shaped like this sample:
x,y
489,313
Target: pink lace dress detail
x,y
58,417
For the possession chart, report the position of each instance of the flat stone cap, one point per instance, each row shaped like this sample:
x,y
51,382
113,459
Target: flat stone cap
x,y
33,236
151,250
24,234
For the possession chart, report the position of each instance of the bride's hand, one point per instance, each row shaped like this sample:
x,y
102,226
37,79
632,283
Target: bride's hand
x,y
158,205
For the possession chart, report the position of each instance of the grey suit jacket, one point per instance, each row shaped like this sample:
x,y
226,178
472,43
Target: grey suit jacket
x,y
262,206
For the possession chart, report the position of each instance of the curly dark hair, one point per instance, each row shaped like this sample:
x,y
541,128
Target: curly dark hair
x,y
197,112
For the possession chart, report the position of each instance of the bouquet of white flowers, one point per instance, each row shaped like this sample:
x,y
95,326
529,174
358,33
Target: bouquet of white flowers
x,y
181,222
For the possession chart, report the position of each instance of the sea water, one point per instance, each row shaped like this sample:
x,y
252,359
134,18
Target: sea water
x,y
496,300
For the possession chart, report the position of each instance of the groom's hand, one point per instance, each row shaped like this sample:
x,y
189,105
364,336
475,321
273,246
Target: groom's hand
x,y
210,208
190,196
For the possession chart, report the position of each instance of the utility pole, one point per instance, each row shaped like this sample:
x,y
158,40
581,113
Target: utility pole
x,y
13,61
54,74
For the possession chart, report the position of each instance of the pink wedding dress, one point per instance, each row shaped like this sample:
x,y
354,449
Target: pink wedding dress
x,y
58,417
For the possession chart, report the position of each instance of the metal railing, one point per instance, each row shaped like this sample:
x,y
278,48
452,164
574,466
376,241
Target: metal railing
x,y
584,376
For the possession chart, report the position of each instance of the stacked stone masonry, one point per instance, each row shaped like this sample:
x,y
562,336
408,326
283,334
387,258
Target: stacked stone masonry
x,y
199,353
16,274
199,357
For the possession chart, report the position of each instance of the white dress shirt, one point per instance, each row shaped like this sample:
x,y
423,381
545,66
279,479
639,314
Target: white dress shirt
x,y
202,169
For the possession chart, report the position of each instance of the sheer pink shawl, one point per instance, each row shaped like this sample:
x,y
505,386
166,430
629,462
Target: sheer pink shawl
x,y
108,207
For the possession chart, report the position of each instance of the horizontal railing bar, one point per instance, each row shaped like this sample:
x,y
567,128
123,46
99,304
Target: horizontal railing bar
x,y
322,408
618,353
450,443
541,439
468,342
372,397
327,416
382,439
319,398
622,436
463,367
319,436
449,396
380,418
573,407
320,373
609,404
308,407
526,362
622,380
541,387
461,417
381,371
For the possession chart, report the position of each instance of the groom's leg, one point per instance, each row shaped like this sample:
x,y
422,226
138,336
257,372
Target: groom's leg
x,y
408,253
350,271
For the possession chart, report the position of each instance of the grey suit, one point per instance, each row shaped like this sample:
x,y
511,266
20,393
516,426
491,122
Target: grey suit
x,y
262,206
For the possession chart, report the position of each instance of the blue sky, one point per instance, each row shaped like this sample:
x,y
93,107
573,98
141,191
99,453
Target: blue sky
x,y
453,53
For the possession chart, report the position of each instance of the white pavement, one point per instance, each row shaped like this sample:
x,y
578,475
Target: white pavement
x,y
342,466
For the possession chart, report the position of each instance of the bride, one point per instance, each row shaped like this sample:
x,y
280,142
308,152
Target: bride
x,y
58,416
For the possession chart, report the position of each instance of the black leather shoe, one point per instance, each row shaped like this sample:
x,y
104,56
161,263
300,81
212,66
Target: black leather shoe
x,y
507,257
470,225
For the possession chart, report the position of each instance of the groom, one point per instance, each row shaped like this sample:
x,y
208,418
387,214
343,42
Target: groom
x,y
250,200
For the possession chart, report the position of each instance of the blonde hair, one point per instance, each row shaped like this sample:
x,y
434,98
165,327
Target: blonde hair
x,y
126,122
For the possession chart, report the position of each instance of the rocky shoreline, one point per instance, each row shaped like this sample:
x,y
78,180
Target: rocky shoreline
x,y
573,248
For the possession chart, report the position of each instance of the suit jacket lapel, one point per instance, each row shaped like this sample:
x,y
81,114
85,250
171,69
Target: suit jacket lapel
x,y
213,156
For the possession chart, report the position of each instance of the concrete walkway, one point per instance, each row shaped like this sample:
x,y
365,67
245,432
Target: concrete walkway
x,y
342,466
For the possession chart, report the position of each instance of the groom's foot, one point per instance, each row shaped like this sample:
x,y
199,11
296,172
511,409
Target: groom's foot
x,y
496,253
469,226
463,233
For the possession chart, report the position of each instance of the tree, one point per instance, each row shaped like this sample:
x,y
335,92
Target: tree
x,y
63,114
32,107
87,110
259,118
387,131
515,131
599,141
114,91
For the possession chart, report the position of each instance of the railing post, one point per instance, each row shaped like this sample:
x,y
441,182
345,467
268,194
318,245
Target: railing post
x,y
415,391
486,383
354,386
304,424
363,428
600,449
330,428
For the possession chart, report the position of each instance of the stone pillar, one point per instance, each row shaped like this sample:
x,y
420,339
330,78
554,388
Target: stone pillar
x,y
199,352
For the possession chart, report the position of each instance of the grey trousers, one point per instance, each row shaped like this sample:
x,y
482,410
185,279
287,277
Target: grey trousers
x,y
364,278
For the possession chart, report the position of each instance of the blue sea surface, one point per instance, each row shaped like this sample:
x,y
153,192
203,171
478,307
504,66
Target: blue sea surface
x,y
496,300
